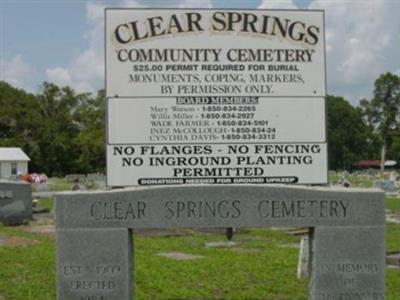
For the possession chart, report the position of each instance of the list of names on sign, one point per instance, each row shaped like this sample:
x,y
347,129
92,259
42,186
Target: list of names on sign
x,y
215,119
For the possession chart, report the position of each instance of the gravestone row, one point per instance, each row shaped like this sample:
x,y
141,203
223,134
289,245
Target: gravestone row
x,y
95,246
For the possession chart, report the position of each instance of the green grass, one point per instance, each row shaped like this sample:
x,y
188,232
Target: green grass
x,y
27,272
393,204
268,273
47,202
334,179
393,238
262,266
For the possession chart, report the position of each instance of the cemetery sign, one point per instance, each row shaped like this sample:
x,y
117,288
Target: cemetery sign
x,y
215,96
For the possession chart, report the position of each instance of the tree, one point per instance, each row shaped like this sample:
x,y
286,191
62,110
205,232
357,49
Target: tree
x,y
19,117
347,134
383,112
57,129
60,130
91,139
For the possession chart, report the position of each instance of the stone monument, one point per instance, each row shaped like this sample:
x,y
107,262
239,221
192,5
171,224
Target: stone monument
x,y
347,245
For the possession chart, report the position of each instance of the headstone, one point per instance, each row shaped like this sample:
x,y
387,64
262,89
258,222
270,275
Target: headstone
x,y
73,177
179,256
221,244
96,176
95,181
393,176
100,185
15,202
346,246
385,185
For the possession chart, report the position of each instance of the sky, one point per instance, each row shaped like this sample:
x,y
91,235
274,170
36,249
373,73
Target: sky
x,y
62,41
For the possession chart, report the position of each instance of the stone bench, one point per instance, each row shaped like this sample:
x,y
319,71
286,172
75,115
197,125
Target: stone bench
x,y
347,240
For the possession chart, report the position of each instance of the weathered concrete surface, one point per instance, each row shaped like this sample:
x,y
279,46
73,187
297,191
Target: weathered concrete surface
x,y
94,264
220,206
348,263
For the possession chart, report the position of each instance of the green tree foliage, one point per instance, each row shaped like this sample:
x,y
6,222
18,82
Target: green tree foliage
x,y
91,140
382,113
18,119
60,130
349,138
57,129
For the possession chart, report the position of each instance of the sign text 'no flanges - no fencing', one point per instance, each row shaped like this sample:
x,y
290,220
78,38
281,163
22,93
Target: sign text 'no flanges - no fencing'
x,y
95,247
215,96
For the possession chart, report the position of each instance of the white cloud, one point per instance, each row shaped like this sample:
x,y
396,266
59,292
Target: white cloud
x,y
16,72
275,4
59,76
85,72
130,3
362,41
196,4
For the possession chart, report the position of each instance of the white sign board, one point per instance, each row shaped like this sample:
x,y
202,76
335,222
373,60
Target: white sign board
x,y
215,96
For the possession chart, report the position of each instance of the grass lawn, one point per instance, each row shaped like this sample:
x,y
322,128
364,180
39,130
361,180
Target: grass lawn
x,y
46,202
261,266
393,204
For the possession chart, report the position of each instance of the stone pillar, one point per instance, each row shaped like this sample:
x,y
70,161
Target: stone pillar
x,y
94,264
348,263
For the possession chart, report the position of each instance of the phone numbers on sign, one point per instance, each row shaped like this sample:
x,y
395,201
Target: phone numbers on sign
x,y
229,108
253,130
228,116
243,123
249,136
